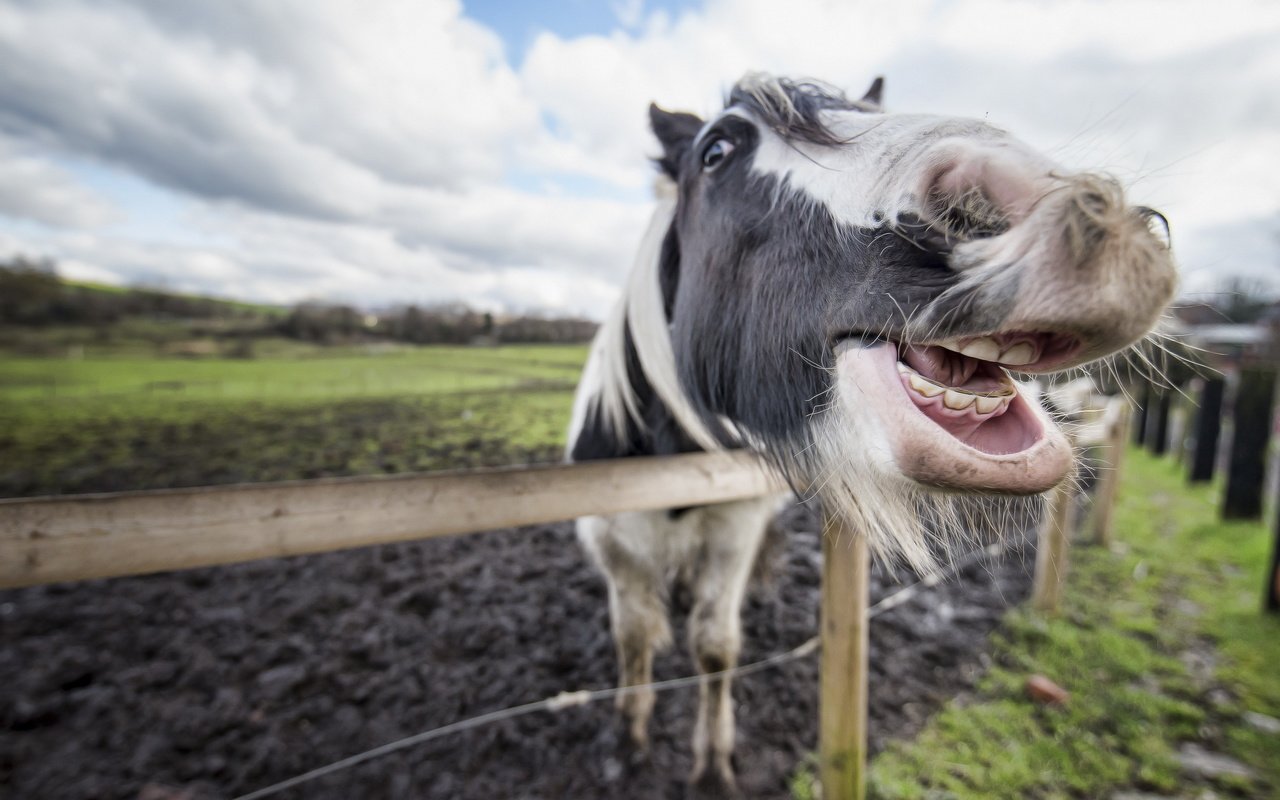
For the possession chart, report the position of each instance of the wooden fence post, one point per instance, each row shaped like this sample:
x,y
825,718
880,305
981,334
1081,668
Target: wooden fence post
x,y
1252,420
1051,549
1119,416
1208,429
842,704
1179,427
1158,436
1144,414
1271,601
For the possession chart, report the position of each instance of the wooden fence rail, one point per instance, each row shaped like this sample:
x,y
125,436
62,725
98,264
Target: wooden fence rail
x,y
50,539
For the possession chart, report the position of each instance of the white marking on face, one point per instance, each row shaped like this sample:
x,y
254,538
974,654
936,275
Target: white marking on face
x,y
888,163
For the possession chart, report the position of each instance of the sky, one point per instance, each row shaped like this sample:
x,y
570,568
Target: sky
x,y
496,151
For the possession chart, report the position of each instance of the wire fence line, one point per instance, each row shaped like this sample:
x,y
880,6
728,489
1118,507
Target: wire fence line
x,y
581,697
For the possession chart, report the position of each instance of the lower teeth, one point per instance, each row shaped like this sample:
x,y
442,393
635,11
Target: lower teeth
x,y
956,399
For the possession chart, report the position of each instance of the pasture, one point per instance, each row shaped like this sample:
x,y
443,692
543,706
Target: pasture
x,y
220,680
115,421
320,374
214,681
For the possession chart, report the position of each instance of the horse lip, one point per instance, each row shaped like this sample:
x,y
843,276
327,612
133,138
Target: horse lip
x,y
1066,347
929,455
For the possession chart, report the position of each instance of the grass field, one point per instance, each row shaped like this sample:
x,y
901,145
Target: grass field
x,y
126,421
1163,647
1160,641
335,374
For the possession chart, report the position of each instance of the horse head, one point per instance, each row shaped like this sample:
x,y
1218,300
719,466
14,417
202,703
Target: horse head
x,y
848,290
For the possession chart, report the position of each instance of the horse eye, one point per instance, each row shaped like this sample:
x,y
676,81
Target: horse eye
x,y
716,152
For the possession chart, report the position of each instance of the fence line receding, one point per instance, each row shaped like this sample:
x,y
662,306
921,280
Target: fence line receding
x,y
49,539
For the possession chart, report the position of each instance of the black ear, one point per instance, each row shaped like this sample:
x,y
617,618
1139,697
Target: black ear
x,y
675,129
872,97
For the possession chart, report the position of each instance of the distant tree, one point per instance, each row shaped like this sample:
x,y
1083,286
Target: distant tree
x,y
315,322
531,328
1245,300
29,291
457,323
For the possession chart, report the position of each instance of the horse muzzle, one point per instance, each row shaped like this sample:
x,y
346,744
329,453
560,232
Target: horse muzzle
x,y
1056,256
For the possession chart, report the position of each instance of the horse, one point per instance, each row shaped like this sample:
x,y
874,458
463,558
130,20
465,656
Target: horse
x,y
844,291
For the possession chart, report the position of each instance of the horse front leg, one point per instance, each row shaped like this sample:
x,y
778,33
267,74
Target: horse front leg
x,y
622,546
732,539
639,621
713,733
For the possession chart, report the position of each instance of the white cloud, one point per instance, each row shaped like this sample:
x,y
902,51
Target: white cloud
x,y
1139,31
34,188
341,149
93,273
1180,100
387,151
405,92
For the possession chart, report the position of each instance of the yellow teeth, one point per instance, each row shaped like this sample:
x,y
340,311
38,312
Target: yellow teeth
x,y
988,404
958,399
924,387
985,348
1019,355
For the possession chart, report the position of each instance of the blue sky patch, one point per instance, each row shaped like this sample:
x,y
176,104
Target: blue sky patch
x,y
519,23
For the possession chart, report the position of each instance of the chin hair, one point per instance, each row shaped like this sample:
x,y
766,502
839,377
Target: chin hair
x,y
853,473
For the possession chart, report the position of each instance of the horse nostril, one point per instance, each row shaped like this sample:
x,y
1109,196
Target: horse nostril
x,y
967,215
924,232
971,197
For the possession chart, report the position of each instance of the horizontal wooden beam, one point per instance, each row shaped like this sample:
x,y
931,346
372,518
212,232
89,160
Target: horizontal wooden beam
x,y
48,539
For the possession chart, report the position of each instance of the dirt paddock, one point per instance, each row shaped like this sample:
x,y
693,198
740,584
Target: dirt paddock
x,y
214,682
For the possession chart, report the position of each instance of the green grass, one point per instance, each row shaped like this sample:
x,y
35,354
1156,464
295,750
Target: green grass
x,y
1179,589
331,374
130,422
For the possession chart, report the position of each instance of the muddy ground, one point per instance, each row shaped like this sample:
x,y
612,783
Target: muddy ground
x,y
214,682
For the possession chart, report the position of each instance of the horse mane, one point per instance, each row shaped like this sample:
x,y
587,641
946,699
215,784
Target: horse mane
x,y
793,109
640,318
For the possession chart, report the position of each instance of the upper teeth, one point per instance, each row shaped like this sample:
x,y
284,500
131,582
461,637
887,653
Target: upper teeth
x,y
1019,355
985,348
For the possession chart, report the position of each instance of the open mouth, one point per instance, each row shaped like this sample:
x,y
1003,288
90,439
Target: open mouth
x,y
962,385
953,416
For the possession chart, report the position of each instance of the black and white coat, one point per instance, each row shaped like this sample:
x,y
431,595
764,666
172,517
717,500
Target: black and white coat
x,y
843,290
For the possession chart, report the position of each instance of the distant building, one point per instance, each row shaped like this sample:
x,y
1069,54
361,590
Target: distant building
x,y
1231,344
1196,314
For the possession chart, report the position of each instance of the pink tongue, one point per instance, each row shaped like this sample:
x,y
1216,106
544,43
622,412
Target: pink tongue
x,y
1009,429
995,432
962,424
